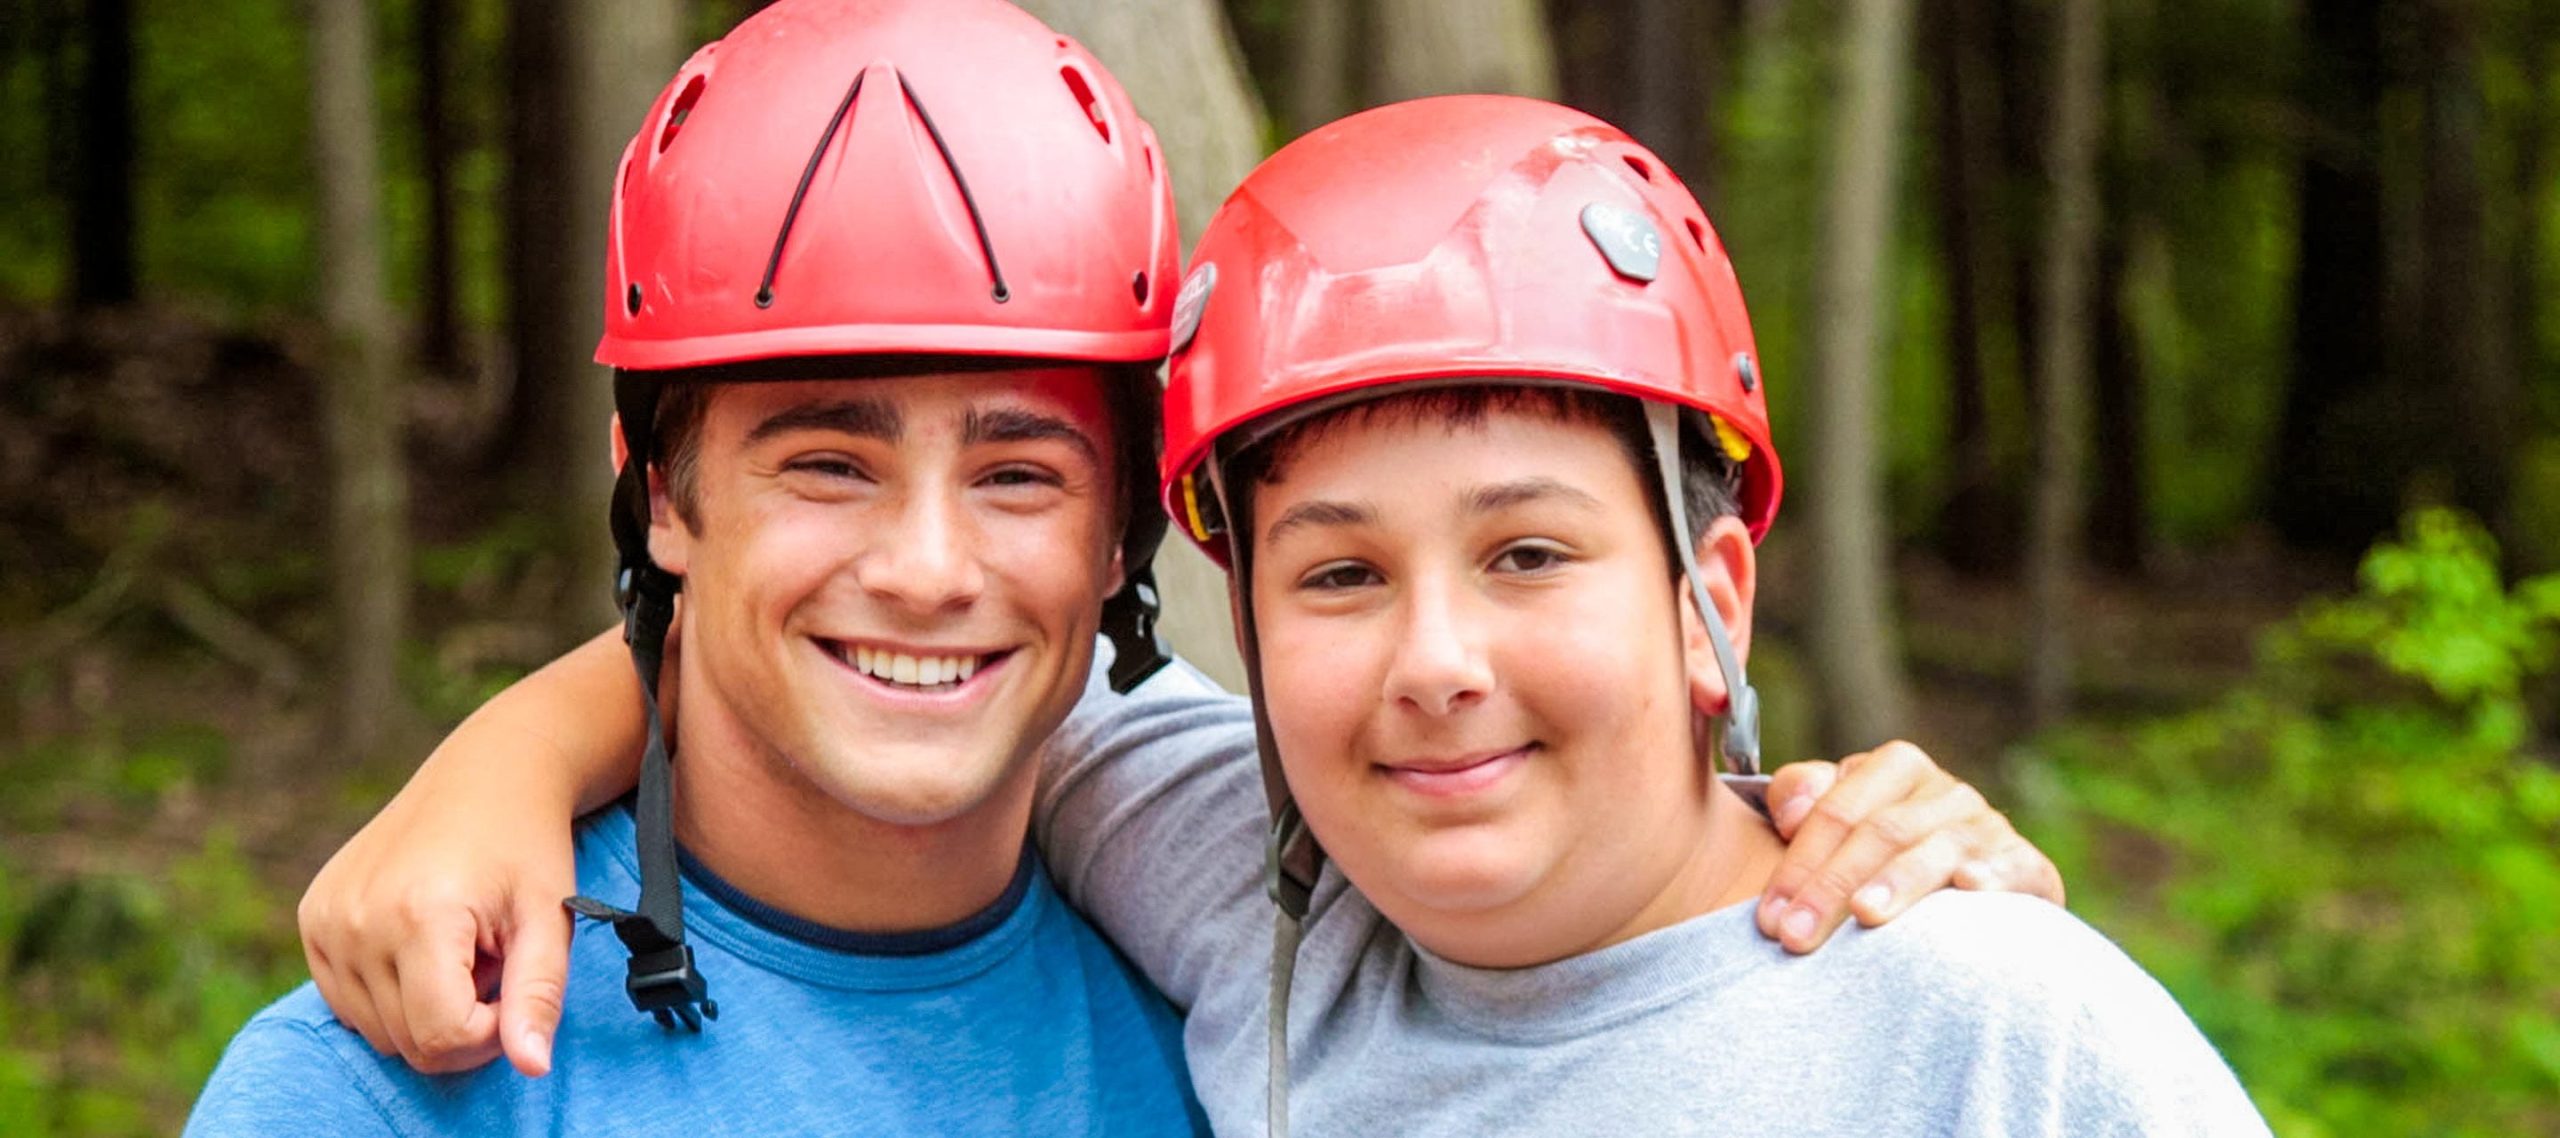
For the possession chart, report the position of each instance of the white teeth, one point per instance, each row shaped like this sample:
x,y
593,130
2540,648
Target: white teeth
x,y
911,671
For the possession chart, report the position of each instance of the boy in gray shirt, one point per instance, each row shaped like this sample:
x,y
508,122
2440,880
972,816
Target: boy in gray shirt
x,y
1465,398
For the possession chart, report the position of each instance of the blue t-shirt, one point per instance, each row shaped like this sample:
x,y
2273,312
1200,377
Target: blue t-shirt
x,y
1020,1020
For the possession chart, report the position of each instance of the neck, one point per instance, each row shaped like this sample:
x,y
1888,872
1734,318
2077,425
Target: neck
x,y
748,815
1732,864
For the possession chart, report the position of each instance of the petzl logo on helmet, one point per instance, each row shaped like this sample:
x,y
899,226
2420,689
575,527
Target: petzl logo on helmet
x,y
1190,303
1632,245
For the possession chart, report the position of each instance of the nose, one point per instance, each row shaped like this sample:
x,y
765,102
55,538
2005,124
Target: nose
x,y
926,561
1439,667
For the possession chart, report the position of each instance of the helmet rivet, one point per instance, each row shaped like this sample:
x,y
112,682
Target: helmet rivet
x,y
764,297
1749,371
631,300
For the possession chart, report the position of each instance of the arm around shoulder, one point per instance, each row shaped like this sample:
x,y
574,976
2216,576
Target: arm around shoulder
x,y
1150,817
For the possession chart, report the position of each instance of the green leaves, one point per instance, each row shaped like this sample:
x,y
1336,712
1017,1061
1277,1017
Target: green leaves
x,y
2353,880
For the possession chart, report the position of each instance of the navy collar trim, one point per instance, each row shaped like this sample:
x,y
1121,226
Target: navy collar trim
x,y
922,942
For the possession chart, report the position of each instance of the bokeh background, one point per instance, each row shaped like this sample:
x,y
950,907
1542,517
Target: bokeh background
x,y
2168,387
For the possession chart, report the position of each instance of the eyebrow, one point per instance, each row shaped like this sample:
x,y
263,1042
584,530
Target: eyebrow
x,y
1015,425
1320,512
1521,492
865,418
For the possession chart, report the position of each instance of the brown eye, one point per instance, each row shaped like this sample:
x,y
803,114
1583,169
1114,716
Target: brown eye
x,y
1339,577
1529,559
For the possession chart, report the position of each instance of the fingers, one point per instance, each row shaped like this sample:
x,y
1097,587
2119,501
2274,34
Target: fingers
x,y
345,994
1927,866
448,1028
1894,856
2012,866
537,970
1793,791
1807,897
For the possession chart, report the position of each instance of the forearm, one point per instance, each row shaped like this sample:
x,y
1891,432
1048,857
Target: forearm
x,y
570,733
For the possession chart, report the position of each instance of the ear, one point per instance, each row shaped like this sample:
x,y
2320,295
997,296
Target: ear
x,y
670,540
1119,571
1730,568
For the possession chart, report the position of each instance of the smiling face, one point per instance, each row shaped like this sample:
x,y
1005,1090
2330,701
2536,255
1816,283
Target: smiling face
x,y
1480,680
892,585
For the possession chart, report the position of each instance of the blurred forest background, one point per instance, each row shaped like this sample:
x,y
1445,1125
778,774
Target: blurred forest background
x,y
2169,387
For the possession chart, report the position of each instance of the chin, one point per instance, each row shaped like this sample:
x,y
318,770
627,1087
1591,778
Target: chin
x,y
914,787
1475,871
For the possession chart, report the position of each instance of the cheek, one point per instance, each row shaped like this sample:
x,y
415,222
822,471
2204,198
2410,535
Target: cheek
x,y
1319,682
1599,664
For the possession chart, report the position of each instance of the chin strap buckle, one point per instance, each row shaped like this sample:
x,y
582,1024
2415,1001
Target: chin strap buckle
x,y
663,980
1129,621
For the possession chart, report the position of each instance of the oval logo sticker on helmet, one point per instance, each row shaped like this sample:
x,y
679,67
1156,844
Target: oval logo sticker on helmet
x,y
1190,303
1631,243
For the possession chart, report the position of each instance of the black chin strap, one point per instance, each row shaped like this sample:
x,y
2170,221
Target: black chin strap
x,y
1129,621
663,980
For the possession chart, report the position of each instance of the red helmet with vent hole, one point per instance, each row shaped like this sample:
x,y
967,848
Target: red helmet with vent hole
x,y
941,177
1462,237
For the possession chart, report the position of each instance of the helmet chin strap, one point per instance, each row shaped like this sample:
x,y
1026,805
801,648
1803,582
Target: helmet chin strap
x,y
1742,704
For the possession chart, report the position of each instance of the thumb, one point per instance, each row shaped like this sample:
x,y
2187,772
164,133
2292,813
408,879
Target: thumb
x,y
1794,789
536,977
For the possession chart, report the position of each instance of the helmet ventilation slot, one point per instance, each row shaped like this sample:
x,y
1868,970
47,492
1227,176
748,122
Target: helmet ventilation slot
x,y
1082,89
679,111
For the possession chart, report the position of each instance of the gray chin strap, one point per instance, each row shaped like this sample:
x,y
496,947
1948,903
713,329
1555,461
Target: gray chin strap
x,y
1742,705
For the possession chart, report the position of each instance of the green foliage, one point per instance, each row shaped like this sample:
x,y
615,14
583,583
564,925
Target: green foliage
x,y
2349,869
120,991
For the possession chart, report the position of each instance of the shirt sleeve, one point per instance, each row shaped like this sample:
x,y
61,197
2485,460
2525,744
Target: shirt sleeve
x,y
279,1079
1151,818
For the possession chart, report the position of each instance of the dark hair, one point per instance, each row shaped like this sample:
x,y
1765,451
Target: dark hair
x,y
1709,482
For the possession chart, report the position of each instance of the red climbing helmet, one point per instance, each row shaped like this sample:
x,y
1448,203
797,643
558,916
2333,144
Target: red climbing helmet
x,y
1463,237
889,176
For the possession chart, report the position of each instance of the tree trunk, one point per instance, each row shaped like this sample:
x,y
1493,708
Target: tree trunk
x,y
1667,107
2466,357
1974,534
439,326
370,557
2120,504
1320,57
2062,364
1856,646
1179,61
538,219
2320,494
620,53
102,218
1448,47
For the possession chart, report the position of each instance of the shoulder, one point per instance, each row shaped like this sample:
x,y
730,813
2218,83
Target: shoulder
x,y
292,1070
2050,1011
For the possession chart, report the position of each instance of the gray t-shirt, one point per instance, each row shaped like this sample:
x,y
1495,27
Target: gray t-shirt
x,y
1967,1016
1972,1014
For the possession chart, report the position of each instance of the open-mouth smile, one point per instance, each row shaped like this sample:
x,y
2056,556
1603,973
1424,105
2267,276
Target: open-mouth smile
x,y
915,672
